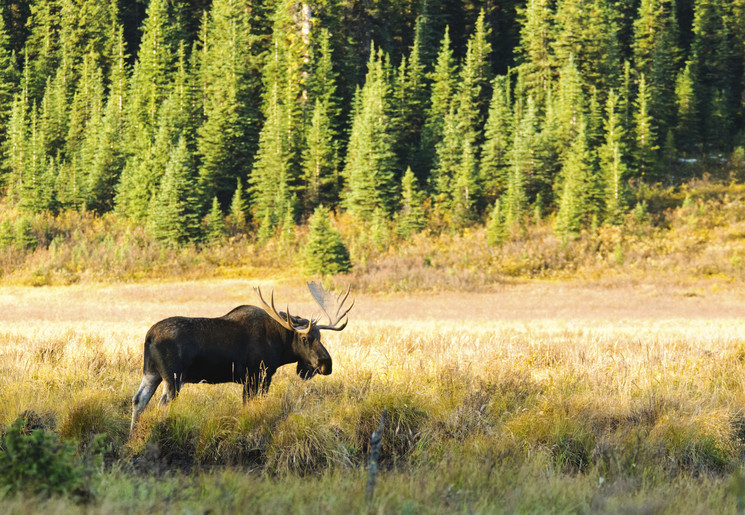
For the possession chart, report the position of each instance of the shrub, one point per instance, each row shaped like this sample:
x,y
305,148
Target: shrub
x,y
36,461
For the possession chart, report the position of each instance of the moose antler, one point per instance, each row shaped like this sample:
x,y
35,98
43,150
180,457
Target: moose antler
x,y
331,305
287,324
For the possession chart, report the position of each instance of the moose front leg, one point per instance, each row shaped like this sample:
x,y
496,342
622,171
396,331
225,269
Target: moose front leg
x,y
257,382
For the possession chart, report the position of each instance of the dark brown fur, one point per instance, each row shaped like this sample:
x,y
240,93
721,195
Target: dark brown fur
x,y
245,346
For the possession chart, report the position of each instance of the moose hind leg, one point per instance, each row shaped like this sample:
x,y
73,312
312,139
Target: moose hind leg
x,y
148,385
172,387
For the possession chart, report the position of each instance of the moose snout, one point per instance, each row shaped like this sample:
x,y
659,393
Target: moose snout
x,y
324,366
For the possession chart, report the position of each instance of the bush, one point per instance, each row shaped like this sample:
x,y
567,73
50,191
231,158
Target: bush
x,y
34,460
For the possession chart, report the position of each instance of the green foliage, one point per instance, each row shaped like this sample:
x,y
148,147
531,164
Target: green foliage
x,y
325,252
24,235
34,460
173,215
94,96
370,158
214,222
496,232
410,218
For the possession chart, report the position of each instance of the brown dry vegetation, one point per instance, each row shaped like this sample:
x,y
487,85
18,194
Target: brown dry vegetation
x,y
541,396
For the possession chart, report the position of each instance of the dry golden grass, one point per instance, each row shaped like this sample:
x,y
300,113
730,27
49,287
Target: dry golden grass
x,y
600,398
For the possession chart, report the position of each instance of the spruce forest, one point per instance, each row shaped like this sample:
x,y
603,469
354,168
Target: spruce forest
x,y
181,115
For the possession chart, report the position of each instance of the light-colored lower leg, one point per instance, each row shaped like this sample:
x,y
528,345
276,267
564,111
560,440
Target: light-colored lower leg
x,y
148,385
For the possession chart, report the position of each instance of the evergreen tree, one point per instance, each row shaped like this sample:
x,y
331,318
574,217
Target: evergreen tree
x,y
409,99
42,48
215,222
228,73
612,161
586,33
496,232
107,138
580,191
448,161
8,81
441,97
645,150
494,163
717,69
472,96
656,56
272,173
320,157
324,251
144,171
156,62
536,36
370,159
410,218
173,217
466,190
238,208
687,129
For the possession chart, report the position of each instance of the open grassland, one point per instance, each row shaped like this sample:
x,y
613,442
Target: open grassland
x,y
526,397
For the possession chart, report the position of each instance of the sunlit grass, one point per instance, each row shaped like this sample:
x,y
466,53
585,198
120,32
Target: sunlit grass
x,y
484,413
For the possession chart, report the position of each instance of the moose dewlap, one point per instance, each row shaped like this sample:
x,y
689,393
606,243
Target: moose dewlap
x,y
246,346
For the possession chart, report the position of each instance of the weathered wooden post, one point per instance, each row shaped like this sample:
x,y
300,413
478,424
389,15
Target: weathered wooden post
x,y
376,441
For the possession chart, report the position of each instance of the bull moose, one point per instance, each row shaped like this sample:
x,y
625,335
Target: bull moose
x,y
245,346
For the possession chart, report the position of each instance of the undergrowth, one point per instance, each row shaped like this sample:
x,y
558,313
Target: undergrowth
x,y
690,232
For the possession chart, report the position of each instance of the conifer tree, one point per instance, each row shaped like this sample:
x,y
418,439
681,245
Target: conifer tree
x,y
173,217
448,161
33,182
107,138
42,48
586,33
214,222
320,155
536,36
612,155
229,74
494,162
324,251
320,158
645,150
370,158
8,81
656,56
466,190
238,208
156,62
272,173
410,218
687,129
579,190
496,233
715,61
144,171
472,93
409,99
441,97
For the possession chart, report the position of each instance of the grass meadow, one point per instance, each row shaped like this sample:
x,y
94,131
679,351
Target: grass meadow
x,y
521,397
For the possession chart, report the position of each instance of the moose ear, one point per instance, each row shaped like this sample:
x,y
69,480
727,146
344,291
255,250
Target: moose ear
x,y
304,371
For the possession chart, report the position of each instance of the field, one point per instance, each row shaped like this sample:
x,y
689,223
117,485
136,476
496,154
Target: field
x,y
526,396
